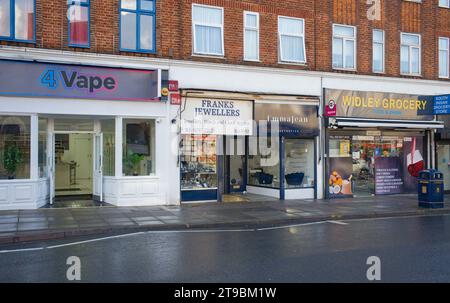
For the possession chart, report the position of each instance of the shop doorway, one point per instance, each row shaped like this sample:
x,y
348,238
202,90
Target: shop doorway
x,y
75,168
235,165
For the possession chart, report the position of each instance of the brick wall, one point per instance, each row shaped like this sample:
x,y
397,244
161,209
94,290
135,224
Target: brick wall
x,y
174,30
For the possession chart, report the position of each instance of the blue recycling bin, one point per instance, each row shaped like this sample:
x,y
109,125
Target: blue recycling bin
x,y
431,189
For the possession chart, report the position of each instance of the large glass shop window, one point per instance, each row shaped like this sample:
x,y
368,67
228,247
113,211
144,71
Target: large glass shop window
x,y
299,163
109,143
138,147
14,147
42,152
198,162
362,165
264,163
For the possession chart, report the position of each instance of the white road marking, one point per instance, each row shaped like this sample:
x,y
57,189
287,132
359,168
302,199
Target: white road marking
x,y
207,231
337,222
94,240
289,226
21,250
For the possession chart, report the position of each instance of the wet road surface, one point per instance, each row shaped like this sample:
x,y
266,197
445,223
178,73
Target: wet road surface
x,y
413,249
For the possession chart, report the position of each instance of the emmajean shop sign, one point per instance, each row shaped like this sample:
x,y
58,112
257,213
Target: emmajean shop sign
x,y
29,79
294,120
377,105
205,116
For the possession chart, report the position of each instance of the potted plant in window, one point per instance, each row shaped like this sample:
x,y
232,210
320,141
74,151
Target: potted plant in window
x,y
132,162
11,159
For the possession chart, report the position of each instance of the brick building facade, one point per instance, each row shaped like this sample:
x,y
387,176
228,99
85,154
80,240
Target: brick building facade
x,y
174,30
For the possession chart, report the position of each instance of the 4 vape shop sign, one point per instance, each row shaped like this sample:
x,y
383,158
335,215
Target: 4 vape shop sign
x,y
205,116
29,79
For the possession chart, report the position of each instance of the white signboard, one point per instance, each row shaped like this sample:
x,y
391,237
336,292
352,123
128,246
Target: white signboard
x,y
205,116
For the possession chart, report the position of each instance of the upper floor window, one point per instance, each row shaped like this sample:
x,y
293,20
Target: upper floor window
x,y
444,3
79,15
137,25
410,54
251,36
344,47
444,57
17,20
207,28
291,32
378,51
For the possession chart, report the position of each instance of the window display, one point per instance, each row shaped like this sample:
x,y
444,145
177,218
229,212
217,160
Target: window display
x,y
138,147
14,147
299,163
198,162
384,164
264,163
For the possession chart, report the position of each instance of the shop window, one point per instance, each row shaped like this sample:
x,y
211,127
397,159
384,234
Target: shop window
x,y
42,148
444,57
291,33
79,15
138,26
299,163
378,51
17,20
251,36
198,162
264,163
410,54
109,143
443,162
14,147
344,47
362,165
138,147
207,22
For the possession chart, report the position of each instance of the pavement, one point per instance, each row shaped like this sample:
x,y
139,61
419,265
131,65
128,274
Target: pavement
x,y
17,226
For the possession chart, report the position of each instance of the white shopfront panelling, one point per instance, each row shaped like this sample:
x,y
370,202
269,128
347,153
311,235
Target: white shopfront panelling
x,y
23,194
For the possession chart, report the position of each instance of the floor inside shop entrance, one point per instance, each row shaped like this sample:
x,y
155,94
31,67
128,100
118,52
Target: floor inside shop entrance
x,y
241,197
75,202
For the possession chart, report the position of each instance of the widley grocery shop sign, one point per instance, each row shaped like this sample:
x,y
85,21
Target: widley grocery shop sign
x,y
377,105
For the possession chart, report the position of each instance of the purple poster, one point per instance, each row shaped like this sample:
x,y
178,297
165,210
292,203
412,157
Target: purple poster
x,y
388,176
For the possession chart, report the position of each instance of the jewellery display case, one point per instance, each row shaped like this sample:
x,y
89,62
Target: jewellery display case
x,y
198,165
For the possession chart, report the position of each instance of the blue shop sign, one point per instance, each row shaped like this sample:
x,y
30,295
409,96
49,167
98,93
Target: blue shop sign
x,y
441,105
30,79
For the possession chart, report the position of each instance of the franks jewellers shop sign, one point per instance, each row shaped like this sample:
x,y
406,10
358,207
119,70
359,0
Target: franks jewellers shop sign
x,y
376,105
28,79
203,116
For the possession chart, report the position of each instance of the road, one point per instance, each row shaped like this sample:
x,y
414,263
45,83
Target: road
x,y
413,249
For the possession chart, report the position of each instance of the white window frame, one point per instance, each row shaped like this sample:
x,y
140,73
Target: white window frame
x,y
448,57
344,39
382,49
410,60
209,25
280,47
255,29
445,5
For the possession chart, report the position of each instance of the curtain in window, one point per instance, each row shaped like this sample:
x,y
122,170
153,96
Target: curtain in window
x,y
24,19
292,48
208,30
128,30
251,44
5,18
79,25
444,56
